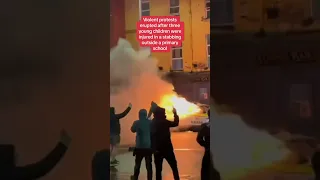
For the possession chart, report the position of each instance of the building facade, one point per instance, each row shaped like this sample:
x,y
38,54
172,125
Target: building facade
x,y
117,21
194,55
270,81
189,64
268,76
274,15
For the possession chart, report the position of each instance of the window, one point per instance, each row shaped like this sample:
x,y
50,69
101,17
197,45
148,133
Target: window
x,y
203,93
177,60
207,8
301,101
208,49
174,7
315,9
222,12
144,8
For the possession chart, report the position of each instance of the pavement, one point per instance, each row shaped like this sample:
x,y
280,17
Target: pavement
x,y
189,156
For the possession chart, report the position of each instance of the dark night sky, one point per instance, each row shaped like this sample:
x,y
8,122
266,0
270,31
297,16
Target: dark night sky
x,y
54,74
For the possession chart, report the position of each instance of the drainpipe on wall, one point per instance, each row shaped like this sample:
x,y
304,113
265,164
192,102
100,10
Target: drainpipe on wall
x,y
191,34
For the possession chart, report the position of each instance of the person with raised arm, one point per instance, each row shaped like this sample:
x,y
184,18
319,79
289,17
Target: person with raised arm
x,y
161,141
115,131
9,170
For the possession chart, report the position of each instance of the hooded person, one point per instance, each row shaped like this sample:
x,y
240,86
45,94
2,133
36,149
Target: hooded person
x,y
9,170
142,128
208,172
115,130
161,141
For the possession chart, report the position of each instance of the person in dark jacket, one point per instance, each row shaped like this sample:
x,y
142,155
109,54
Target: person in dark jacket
x,y
101,165
161,141
9,170
315,162
311,151
115,130
142,128
208,172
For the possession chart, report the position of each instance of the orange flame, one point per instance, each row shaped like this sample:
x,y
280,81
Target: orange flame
x,y
184,108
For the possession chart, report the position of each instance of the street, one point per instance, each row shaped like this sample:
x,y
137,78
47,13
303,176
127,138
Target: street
x,y
188,154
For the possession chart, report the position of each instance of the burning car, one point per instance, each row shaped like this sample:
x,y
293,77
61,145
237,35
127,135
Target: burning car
x,y
193,122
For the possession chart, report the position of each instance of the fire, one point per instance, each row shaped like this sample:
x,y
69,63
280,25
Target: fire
x,y
184,108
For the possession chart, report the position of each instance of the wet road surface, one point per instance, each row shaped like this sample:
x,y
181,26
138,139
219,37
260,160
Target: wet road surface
x,y
189,156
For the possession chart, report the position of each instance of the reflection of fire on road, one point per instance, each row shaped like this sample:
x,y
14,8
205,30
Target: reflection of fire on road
x,y
184,108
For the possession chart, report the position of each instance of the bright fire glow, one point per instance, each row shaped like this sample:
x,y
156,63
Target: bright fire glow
x,y
184,108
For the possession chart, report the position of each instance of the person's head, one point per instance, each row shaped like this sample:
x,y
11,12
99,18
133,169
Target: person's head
x,y
101,165
143,114
160,113
8,157
112,110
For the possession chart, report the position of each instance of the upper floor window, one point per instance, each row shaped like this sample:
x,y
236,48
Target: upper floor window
x,y
222,12
175,7
144,8
208,49
177,60
207,8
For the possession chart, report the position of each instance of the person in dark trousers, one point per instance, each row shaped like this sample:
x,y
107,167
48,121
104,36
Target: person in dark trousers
x,y
142,128
101,165
115,130
9,170
208,172
161,141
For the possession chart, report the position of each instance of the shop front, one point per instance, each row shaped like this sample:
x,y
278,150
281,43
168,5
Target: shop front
x,y
193,86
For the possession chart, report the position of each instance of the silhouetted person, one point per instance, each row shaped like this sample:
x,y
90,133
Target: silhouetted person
x,y
161,141
152,109
208,172
142,128
9,170
101,165
315,162
115,130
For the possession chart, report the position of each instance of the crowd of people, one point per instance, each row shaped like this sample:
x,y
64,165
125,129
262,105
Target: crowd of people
x,y
153,138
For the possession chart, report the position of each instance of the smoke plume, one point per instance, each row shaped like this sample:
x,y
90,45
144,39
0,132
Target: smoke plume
x,y
239,149
134,79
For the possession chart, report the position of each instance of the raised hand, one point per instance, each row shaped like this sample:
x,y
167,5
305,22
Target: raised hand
x,y
174,111
153,104
65,138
